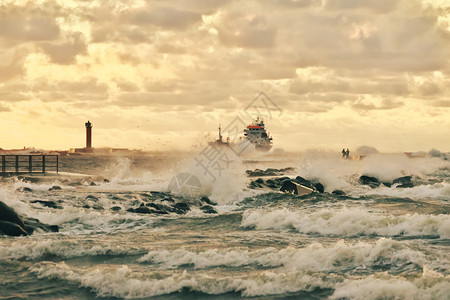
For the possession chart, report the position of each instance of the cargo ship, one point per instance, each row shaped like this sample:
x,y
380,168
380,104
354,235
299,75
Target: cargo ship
x,y
256,134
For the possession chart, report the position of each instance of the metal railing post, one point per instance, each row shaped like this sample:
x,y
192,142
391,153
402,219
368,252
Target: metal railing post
x,y
30,164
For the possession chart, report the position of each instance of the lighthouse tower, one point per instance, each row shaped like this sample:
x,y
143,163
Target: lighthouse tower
x,y
88,135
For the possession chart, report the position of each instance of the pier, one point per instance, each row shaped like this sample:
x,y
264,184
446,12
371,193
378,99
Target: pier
x,y
28,164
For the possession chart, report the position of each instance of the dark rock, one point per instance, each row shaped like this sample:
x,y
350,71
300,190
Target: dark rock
x,y
338,192
12,229
131,210
86,206
92,184
9,215
208,209
259,180
54,188
116,208
76,183
207,200
97,207
370,181
182,205
24,189
51,204
154,205
106,180
90,197
292,187
143,210
319,187
404,182
304,182
168,199
31,224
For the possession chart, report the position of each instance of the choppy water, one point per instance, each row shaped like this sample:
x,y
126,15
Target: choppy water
x,y
369,244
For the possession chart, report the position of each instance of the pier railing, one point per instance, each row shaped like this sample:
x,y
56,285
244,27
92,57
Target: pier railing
x,y
28,164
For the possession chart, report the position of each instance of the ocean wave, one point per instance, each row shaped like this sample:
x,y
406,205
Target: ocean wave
x,y
123,282
348,222
315,257
30,250
430,285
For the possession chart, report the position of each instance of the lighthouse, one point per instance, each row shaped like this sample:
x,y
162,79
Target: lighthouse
x,y
88,135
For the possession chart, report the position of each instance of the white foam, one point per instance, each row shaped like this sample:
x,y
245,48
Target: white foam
x,y
314,257
26,249
430,285
348,222
123,282
336,173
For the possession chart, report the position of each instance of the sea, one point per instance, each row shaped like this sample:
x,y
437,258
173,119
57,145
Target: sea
x,y
364,242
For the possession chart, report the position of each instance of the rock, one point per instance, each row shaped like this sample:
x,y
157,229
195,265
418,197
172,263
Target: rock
x,y
181,207
116,208
86,206
9,215
24,189
338,192
289,186
168,199
54,188
143,210
404,182
304,182
370,181
90,197
259,180
12,229
206,200
106,180
319,187
51,204
92,184
31,224
208,209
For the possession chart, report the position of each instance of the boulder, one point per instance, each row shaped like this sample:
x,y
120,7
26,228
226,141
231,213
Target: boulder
x,y
24,189
143,210
182,205
90,197
208,209
9,215
304,182
373,182
11,229
404,182
207,200
106,180
289,186
54,188
116,208
31,224
92,184
51,204
319,187
338,192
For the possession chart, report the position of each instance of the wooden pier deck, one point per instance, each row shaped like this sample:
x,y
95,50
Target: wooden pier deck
x,y
28,164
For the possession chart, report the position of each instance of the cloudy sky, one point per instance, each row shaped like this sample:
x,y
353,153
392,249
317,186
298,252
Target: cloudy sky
x,y
160,74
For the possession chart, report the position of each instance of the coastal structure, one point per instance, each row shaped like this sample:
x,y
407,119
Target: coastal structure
x,y
88,135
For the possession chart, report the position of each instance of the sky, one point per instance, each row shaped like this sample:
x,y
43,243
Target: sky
x,y
162,75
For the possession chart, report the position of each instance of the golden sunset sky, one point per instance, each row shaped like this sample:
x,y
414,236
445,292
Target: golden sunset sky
x,y
158,75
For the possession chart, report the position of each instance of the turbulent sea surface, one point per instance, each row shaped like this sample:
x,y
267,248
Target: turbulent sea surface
x,y
379,242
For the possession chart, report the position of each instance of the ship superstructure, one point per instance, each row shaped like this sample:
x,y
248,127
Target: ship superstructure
x,y
256,134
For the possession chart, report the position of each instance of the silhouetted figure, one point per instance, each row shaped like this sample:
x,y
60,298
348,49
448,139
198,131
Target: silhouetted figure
x,y
343,153
347,153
